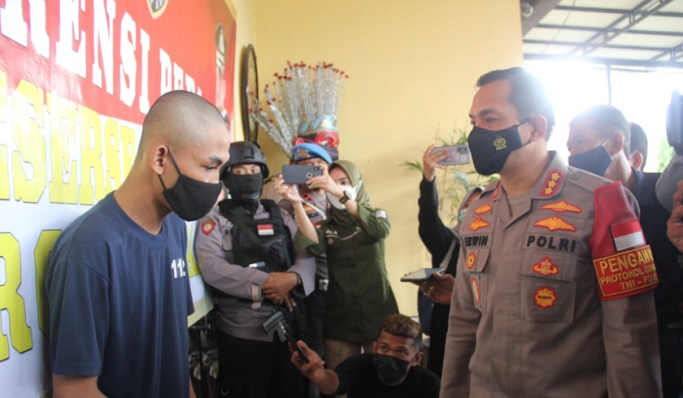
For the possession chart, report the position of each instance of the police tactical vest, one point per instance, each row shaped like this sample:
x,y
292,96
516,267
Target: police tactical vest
x,y
264,244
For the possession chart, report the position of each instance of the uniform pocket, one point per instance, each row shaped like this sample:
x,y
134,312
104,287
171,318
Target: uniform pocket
x,y
475,263
548,288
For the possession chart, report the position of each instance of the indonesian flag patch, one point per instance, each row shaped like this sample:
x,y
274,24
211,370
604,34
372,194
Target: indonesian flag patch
x,y
265,229
627,235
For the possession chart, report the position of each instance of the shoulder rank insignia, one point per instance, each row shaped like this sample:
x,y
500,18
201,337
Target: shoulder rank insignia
x,y
495,193
471,260
555,223
545,297
483,209
562,207
545,267
208,226
552,183
479,223
475,291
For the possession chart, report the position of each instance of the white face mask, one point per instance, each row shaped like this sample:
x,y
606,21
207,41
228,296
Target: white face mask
x,y
351,192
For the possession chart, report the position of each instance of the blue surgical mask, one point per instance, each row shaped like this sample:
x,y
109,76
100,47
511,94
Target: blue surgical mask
x,y
595,161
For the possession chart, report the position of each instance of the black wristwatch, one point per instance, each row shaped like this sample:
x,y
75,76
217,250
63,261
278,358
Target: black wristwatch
x,y
344,198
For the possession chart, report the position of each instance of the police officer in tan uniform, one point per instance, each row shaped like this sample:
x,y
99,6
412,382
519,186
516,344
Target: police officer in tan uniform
x,y
554,290
251,282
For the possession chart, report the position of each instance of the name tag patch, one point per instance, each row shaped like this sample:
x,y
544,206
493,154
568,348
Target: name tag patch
x,y
627,273
552,242
476,240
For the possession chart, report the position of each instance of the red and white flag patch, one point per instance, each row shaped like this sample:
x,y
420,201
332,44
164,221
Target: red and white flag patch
x,y
265,229
627,235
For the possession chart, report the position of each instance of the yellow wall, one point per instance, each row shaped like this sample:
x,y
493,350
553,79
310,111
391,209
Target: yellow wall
x,y
245,11
413,65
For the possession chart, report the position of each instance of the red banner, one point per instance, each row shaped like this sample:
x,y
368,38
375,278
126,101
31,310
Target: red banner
x,y
116,58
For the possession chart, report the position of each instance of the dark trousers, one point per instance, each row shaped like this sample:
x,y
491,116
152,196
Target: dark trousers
x,y
256,369
315,308
671,357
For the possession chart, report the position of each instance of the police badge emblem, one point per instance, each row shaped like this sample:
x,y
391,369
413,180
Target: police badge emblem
x,y
157,7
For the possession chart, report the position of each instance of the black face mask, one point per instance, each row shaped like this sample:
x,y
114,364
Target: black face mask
x,y
490,149
390,369
190,199
245,187
596,161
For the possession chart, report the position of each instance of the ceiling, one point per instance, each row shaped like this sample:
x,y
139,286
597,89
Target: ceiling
x,y
645,33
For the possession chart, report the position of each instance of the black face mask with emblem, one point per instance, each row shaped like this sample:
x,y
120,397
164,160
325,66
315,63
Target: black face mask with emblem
x,y
490,149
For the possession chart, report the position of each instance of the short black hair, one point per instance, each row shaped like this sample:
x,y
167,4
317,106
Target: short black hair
x,y
527,94
403,326
639,141
607,120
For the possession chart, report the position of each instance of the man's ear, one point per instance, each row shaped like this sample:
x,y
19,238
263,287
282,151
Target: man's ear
x,y
614,144
158,158
540,126
418,358
637,160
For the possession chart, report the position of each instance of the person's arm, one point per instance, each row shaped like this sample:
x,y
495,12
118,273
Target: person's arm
x,y
291,194
436,237
439,288
212,248
280,284
674,227
629,324
461,338
75,386
326,380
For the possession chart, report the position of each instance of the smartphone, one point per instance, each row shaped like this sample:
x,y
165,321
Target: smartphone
x,y
292,341
422,275
457,154
298,175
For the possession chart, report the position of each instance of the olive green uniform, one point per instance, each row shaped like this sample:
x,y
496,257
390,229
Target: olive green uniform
x,y
359,296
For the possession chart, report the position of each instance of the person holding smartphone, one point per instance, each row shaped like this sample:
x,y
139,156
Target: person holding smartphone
x,y
359,295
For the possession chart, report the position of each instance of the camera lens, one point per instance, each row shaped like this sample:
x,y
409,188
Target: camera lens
x,y
309,175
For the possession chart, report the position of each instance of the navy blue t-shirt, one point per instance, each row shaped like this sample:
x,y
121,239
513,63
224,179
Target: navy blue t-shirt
x,y
119,299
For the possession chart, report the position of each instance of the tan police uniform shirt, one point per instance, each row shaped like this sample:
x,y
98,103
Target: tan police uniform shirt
x,y
241,318
526,319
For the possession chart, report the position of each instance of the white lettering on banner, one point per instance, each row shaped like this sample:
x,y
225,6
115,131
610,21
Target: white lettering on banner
x,y
12,22
166,72
143,100
103,38
68,31
128,62
39,36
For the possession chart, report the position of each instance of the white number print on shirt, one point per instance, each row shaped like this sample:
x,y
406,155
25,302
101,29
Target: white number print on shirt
x,y
178,266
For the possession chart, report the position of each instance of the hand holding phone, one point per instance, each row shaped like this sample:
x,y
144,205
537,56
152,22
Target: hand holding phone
x,y
298,175
457,154
422,275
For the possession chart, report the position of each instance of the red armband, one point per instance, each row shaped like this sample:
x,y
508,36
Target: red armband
x,y
623,262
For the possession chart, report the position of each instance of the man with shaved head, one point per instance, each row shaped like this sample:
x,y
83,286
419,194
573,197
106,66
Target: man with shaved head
x,y
117,282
